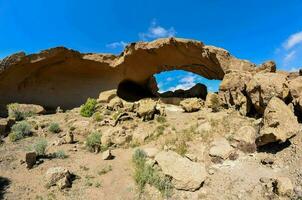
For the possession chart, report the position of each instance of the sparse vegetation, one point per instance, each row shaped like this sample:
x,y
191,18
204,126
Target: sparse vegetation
x,y
89,108
161,119
54,127
15,112
105,170
40,147
145,174
60,154
20,130
98,117
93,142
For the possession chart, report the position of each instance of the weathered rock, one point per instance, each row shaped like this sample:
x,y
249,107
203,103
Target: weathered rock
x,y
245,139
284,186
279,123
151,152
58,176
295,88
232,90
106,96
269,66
199,90
213,101
263,86
89,74
30,159
106,155
118,136
115,104
187,175
26,108
191,104
146,109
220,148
5,126
69,137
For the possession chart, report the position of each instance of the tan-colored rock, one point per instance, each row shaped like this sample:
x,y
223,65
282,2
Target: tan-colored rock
x,y
106,96
284,186
118,136
146,109
88,74
187,175
25,108
263,86
220,148
213,101
245,139
269,66
151,152
58,176
191,104
69,137
115,104
5,126
106,155
295,88
279,123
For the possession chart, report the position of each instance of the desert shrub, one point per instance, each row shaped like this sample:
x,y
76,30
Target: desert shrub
x,y
54,127
215,103
15,112
98,117
88,108
161,119
105,170
145,174
40,147
60,154
20,130
181,147
93,141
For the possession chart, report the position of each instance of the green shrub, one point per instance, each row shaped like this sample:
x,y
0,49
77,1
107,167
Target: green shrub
x,y
88,108
15,112
93,141
40,147
161,119
60,154
54,127
98,117
145,174
20,130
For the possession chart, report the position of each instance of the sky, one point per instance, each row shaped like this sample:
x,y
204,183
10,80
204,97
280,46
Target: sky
x,y
257,30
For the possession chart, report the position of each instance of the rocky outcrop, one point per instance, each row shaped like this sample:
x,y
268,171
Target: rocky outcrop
x,y
191,104
199,90
279,123
187,175
66,78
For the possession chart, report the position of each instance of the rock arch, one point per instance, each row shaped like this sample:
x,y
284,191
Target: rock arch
x,y
66,78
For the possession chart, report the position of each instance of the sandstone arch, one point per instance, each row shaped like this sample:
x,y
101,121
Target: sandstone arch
x,y
64,77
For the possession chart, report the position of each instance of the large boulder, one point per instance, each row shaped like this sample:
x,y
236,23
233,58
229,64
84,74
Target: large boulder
x,y
5,126
220,148
187,175
269,66
244,139
295,88
106,96
263,86
146,109
191,104
31,109
58,176
232,90
279,123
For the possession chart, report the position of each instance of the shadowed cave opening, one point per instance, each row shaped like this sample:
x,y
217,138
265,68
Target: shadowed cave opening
x,y
174,83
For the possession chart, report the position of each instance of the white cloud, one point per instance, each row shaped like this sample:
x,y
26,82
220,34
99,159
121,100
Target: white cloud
x,y
293,40
114,45
294,69
169,79
185,83
289,56
157,31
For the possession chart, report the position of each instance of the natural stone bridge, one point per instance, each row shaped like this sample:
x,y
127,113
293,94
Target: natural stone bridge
x,y
66,78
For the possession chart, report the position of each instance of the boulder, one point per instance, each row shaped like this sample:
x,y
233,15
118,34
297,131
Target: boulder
x,y
269,66
191,104
115,104
106,155
118,136
220,148
58,176
263,86
295,88
25,108
5,126
151,152
187,175
69,137
213,101
106,96
284,186
30,159
146,109
232,90
245,139
279,123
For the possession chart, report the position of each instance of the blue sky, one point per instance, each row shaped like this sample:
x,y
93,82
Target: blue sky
x,y
254,30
